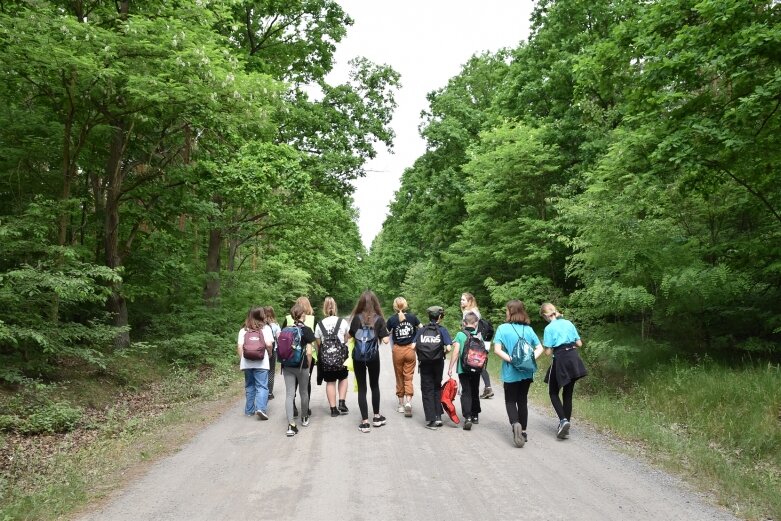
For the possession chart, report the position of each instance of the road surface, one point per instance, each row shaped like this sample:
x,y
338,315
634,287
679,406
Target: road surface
x,y
242,468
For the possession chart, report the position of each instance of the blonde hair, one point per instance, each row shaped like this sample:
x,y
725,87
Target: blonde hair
x,y
471,303
399,305
549,309
304,303
329,307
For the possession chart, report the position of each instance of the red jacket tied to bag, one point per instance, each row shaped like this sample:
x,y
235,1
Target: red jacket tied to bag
x,y
449,391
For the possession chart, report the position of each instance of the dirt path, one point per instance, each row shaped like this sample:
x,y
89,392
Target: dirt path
x,y
241,468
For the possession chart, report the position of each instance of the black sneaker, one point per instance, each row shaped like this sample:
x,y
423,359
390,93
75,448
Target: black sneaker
x,y
475,421
334,412
563,430
525,437
379,421
342,407
292,430
364,427
438,421
270,396
467,423
432,425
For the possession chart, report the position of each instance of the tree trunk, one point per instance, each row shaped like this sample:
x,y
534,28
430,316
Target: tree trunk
x,y
233,250
116,304
212,288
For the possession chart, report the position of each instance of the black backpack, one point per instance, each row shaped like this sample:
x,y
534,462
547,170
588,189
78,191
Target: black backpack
x,y
486,329
430,346
333,352
474,355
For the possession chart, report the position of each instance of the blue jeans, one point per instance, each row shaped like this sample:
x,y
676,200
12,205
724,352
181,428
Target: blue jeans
x,y
256,389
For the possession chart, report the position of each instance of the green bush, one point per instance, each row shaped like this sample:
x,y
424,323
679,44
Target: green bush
x,y
33,411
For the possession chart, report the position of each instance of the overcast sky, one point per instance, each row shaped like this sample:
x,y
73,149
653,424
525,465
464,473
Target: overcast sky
x,y
427,42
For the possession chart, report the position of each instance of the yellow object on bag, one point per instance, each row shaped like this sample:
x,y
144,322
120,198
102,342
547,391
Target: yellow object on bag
x,y
349,362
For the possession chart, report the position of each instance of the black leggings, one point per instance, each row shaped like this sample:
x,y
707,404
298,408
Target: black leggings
x,y
360,368
515,394
562,410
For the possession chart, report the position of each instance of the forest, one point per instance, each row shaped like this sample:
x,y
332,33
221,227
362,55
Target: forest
x,y
165,165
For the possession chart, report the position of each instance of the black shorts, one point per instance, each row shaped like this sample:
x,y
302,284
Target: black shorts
x,y
332,376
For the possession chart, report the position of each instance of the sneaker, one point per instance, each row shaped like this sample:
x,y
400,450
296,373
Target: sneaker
x,y
295,411
432,425
487,393
334,412
292,430
408,410
270,396
400,408
525,437
261,415
379,421
467,423
305,421
438,422
518,438
342,407
563,430
364,427
475,420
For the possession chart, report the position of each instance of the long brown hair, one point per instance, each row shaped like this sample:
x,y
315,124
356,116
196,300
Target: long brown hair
x,y
369,305
271,317
304,303
516,312
471,303
256,319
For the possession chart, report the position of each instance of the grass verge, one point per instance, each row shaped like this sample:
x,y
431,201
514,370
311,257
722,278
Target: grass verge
x,y
718,427
53,484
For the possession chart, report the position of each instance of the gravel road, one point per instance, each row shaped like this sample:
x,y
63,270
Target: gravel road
x,y
241,468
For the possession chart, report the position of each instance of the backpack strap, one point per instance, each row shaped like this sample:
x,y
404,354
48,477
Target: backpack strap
x,y
336,327
322,328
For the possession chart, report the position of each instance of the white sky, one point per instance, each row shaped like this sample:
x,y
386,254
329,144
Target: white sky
x,y
427,42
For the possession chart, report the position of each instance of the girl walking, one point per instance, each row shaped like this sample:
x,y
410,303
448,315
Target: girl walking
x,y
403,327
255,371
299,374
516,382
271,320
333,326
368,312
561,340
469,304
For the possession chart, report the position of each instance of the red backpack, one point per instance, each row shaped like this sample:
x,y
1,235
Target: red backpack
x,y
254,347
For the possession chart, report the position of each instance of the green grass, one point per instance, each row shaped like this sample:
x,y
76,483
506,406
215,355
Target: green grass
x,y
716,425
73,479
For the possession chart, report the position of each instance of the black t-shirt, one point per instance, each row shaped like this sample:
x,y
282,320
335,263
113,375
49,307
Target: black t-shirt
x,y
380,328
403,331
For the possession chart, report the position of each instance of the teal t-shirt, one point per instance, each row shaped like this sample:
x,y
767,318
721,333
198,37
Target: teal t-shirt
x,y
559,332
507,335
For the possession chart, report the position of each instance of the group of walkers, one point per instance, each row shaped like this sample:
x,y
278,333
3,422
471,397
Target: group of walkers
x,y
302,346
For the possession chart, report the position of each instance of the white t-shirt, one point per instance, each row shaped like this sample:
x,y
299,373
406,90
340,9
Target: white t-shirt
x,y
330,323
268,338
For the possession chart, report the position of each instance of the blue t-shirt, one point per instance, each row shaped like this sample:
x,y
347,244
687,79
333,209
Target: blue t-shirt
x,y
507,335
559,332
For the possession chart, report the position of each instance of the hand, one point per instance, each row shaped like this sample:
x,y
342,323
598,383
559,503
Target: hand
x,y
450,371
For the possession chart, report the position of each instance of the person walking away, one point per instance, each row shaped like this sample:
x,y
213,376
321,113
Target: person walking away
x,y
271,320
259,339
431,343
296,372
309,321
369,331
469,377
403,327
510,340
332,331
561,340
469,303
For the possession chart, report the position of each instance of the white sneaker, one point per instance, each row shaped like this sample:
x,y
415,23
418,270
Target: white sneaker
x,y
400,408
408,410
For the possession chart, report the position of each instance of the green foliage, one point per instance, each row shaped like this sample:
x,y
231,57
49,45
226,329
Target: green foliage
x,y
35,410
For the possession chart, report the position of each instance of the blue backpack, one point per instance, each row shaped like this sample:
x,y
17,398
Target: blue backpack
x,y
523,354
289,348
367,347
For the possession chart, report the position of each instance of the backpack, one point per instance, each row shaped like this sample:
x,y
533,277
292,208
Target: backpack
x,y
289,349
523,355
333,352
254,347
474,355
429,345
486,329
366,344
